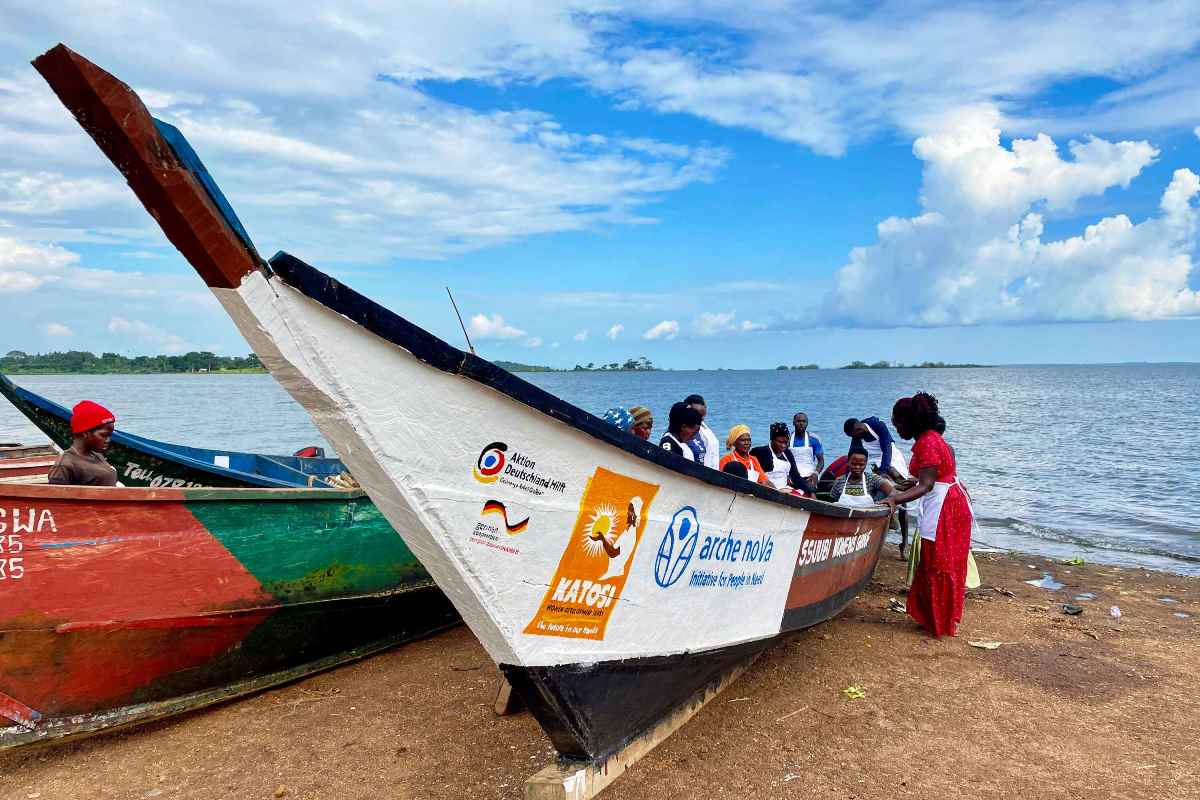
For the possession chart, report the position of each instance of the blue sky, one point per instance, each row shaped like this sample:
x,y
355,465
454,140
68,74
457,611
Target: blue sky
x,y
707,184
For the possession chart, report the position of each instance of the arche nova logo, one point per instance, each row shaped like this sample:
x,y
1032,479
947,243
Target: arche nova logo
x,y
515,469
676,548
721,559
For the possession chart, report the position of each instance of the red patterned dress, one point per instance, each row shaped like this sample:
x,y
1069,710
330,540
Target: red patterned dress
x,y
935,600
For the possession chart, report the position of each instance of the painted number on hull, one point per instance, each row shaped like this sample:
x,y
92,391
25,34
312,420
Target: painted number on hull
x,y
137,472
13,523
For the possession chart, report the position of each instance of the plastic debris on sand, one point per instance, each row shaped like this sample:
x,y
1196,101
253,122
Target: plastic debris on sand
x,y
1046,582
986,644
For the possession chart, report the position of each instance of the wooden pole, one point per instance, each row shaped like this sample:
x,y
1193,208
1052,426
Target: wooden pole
x,y
470,346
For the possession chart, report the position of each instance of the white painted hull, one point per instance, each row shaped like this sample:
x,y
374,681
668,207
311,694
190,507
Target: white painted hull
x,y
412,434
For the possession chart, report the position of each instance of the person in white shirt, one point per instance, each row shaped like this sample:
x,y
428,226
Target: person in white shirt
x,y
704,444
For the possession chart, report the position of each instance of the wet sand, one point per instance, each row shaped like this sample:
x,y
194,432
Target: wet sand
x,y
1067,707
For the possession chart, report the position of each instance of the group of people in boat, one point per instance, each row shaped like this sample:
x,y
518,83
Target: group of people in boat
x,y
874,471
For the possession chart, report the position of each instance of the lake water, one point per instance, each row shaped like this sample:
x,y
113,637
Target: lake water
x,y
1100,462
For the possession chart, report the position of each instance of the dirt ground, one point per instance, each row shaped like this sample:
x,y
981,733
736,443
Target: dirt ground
x,y
1067,707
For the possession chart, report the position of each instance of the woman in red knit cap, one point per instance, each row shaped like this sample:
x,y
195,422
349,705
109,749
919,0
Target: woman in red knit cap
x,y
935,600
83,463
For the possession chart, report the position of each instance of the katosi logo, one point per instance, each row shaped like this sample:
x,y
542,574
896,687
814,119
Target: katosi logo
x,y
490,462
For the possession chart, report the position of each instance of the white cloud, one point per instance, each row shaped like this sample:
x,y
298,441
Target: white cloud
x,y
533,341
25,266
977,253
581,336
711,323
1196,131
161,341
666,330
493,327
615,331
57,329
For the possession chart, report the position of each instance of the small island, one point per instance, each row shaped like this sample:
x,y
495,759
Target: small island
x,y
922,365
642,364
798,366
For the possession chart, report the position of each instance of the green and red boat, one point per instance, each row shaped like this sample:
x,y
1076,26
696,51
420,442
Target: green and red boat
x,y
121,605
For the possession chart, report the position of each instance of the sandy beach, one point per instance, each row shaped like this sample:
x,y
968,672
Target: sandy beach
x,y
1084,706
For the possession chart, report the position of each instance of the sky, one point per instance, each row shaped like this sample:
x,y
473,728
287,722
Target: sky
x,y
705,184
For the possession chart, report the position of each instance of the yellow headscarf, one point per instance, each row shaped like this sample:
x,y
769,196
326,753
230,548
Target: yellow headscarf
x,y
735,433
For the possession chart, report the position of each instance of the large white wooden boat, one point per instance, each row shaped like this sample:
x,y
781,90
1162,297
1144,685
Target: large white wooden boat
x,y
612,581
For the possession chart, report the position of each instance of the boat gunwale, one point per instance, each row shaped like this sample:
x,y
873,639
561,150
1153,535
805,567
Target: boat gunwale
x,y
141,494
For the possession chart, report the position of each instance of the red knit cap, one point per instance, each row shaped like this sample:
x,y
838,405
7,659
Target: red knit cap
x,y
87,415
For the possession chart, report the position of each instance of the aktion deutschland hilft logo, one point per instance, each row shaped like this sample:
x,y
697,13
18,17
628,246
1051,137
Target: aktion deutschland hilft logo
x,y
490,462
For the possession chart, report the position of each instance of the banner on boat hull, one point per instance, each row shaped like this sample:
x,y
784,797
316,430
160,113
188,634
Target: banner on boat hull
x,y
587,585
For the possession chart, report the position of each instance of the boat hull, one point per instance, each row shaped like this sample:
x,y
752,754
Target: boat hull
x,y
122,605
610,579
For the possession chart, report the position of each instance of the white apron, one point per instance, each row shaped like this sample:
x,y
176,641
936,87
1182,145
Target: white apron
x,y
806,462
779,475
854,501
929,512
875,456
712,449
751,474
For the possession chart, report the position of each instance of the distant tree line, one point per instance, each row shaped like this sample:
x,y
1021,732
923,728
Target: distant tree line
x,y
898,365
798,366
81,361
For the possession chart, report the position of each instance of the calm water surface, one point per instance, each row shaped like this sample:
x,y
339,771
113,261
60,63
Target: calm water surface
x,y
1099,462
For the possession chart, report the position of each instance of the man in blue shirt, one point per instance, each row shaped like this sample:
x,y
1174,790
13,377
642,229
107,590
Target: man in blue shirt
x,y
872,434
808,453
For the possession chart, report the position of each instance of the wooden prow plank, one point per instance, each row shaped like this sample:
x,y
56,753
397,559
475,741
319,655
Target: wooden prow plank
x,y
583,780
115,117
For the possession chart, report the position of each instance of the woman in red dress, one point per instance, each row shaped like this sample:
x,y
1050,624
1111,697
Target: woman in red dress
x,y
935,600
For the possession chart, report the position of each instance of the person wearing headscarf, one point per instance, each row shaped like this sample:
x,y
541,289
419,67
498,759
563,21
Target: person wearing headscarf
x,y
779,462
83,463
704,444
643,422
738,442
619,418
935,600
682,424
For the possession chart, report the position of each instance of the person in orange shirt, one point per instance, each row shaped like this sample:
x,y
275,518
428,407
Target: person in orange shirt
x,y
738,443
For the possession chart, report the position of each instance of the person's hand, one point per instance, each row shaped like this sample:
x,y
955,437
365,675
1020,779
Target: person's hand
x,y
890,502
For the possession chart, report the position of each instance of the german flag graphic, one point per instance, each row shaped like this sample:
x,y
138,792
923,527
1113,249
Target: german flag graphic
x,y
496,507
